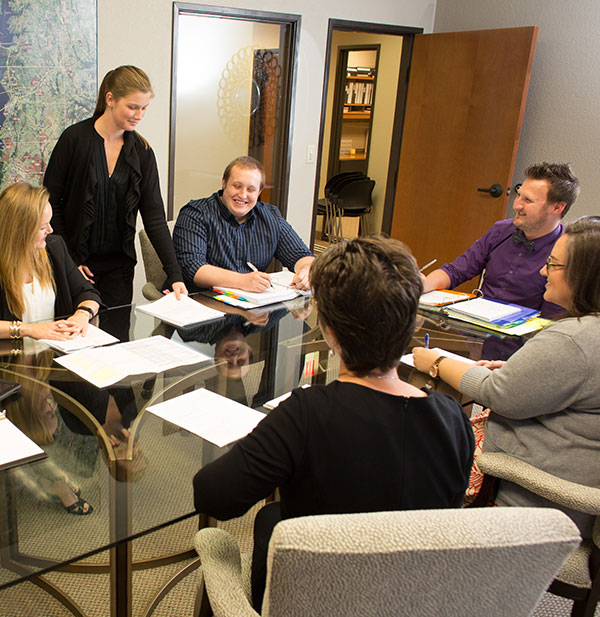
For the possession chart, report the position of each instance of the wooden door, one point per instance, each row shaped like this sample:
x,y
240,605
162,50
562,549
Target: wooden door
x,y
465,104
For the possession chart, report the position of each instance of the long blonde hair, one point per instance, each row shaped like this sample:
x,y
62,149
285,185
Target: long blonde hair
x,y
21,210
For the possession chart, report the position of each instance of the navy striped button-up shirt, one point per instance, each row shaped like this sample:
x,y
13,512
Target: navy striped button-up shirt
x,y
207,233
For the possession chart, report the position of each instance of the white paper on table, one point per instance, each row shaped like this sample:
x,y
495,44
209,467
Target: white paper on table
x,y
180,313
94,337
284,278
408,358
15,446
274,402
104,366
209,415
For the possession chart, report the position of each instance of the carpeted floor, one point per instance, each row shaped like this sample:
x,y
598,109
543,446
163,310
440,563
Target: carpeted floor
x,y
91,591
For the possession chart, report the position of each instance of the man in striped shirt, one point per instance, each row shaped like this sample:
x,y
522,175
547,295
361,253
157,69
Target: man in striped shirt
x,y
230,238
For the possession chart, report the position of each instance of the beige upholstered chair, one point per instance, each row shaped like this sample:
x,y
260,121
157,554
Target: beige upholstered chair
x,y
487,561
579,579
155,275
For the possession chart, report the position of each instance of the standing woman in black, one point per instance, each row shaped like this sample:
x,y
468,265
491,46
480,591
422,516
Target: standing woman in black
x,y
100,174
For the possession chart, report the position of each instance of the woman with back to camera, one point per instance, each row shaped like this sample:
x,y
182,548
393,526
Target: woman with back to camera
x,y
545,399
100,174
363,443
38,280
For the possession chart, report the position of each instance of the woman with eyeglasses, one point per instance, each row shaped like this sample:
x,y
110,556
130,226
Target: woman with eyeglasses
x,y
545,399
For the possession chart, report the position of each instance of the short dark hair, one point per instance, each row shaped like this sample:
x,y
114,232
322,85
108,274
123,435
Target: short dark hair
x,y
582,270
248,162
564,186
367,291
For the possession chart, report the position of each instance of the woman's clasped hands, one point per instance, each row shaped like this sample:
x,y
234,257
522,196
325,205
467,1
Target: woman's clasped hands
x,y
60,330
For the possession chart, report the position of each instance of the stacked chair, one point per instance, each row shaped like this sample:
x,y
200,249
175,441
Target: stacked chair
x,y
346,194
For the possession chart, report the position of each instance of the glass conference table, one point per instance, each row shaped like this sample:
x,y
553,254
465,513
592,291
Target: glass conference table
x,y
145,484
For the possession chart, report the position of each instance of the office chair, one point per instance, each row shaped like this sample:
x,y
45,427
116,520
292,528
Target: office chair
x,y
155,275
579,579
452,562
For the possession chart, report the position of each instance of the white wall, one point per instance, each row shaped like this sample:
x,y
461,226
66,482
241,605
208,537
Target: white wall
x,y
561,117
139,32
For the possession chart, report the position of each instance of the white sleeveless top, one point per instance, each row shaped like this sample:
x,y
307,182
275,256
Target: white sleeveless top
x,y
39,303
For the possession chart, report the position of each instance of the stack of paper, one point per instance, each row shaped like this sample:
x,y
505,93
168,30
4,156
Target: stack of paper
x,y
498,316
181,313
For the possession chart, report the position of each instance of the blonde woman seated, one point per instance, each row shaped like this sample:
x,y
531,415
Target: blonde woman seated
x,y
38,280
545,399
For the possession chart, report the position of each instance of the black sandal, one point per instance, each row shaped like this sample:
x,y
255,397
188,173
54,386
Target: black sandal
x,y
78,507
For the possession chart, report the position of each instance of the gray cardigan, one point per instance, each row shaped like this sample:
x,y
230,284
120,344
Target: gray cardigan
x,y
546,404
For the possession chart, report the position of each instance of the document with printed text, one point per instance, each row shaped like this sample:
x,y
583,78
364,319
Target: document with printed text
x,y
209,415
104,366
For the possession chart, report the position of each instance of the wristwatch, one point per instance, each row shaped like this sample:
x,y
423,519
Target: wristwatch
x,y
434,369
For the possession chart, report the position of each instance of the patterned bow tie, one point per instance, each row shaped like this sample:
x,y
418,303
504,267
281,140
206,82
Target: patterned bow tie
x,y
519,237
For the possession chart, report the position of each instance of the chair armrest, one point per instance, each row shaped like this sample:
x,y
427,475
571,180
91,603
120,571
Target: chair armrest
x,y
151,292
562,492
222,572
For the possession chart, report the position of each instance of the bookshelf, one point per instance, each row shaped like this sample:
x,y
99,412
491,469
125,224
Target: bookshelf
x,y
354,103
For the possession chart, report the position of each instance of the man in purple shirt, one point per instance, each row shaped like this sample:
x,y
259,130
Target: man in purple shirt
x,y
512,252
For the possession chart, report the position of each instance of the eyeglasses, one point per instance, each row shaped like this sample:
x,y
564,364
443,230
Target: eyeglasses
x,y
550,265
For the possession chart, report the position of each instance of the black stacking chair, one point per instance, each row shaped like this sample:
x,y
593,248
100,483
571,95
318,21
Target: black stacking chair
x,y
353,198
332,227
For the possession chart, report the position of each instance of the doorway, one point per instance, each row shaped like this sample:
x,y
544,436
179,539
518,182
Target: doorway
x,y
385,118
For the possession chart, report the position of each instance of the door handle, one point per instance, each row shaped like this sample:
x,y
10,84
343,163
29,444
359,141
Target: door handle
x,y
495,190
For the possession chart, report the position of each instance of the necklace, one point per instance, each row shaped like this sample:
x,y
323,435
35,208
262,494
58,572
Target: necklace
x,y
368,376
381,376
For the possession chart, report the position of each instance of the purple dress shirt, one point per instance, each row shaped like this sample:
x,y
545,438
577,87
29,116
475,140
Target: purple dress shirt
x,y
512,273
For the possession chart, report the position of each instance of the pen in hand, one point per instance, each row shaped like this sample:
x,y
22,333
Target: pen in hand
x,y
426,345
255,269
427,265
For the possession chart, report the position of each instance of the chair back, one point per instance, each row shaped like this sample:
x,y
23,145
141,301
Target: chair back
x,y
155,275
335,183
355,197
489,561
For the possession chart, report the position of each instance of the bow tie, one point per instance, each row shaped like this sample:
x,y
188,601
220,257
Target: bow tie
x,y
519,237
